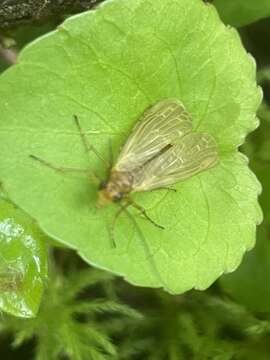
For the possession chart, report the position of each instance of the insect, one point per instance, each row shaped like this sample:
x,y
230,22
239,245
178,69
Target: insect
x,y
161,150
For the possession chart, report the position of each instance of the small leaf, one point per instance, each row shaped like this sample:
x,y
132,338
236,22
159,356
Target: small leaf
x,y
107,66
242,12
23,262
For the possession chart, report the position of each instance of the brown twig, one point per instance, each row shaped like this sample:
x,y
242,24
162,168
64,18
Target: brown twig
x,y
16,12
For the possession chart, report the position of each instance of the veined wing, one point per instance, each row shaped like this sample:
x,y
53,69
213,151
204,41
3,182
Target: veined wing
x,y
163,124
194,153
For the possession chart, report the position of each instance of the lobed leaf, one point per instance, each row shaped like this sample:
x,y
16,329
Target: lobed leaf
x,y
107,66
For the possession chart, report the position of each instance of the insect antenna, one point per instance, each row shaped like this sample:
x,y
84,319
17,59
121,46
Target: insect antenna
x,y
63,170
89,147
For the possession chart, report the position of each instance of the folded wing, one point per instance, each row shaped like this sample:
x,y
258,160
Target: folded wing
x,y
194,153
163,124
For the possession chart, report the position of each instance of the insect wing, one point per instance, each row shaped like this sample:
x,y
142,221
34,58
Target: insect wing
x,y
163,124
195,152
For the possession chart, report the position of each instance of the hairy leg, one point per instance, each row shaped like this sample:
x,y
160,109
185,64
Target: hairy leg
x,y
68,170
121,209
61,169
143,212
166,188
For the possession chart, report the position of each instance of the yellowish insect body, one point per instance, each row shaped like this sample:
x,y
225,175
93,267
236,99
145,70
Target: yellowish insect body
x,y
161,150
113,190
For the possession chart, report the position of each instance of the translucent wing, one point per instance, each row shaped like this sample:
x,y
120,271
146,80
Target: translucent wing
x,y
163,124
194,153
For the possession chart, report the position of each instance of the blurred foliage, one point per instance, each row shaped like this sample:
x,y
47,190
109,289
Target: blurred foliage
x,y
253,275
242,12
68,324
83,316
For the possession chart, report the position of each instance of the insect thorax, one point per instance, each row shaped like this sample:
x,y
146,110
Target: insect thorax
x,y
118,185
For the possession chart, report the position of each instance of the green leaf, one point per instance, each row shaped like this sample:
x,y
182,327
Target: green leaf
x,y
253,275
107,66
23,262
242,12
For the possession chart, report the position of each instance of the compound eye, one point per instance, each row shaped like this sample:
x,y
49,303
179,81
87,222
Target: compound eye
x,y
118,197
102,185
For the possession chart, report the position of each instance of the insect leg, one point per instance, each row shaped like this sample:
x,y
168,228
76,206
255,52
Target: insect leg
x,y
143,212
62,169
86,144
169,189
116,216
165,188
